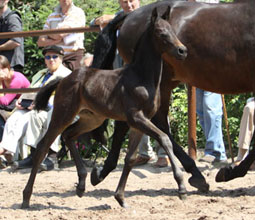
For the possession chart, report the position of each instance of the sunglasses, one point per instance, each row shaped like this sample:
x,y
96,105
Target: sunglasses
x,y
48,57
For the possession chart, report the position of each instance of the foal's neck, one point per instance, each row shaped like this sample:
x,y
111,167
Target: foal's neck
x,y
147,60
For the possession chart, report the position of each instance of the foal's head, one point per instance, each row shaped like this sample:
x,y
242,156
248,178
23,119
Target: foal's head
x,y
165,39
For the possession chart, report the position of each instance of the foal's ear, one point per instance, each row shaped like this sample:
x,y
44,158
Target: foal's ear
x,y
154,15
165,16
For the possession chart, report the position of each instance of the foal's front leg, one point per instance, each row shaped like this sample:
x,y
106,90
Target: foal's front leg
x,y
147,127
134,139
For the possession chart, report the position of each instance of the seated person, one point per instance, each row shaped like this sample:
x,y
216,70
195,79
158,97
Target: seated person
x,y
9,79
17,124
246,131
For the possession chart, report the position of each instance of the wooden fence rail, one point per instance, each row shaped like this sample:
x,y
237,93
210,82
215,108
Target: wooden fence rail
x,y
191,93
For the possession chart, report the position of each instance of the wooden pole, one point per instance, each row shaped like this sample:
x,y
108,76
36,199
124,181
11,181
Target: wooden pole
x,y
226,124
4,35
192,140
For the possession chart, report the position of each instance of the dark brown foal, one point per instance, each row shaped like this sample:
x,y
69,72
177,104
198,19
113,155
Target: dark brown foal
x,y
130,94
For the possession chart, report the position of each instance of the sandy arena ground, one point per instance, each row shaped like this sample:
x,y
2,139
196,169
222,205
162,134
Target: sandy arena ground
x,y
150,192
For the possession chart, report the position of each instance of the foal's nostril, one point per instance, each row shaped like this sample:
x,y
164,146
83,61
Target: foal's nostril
x,y
182,51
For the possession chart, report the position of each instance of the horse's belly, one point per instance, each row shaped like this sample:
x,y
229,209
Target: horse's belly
x,y
231,79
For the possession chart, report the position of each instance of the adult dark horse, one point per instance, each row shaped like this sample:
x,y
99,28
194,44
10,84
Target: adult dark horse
x,y
128,94
221,44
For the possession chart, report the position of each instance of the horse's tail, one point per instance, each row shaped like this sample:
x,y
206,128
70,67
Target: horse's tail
x,y
106,43
43,96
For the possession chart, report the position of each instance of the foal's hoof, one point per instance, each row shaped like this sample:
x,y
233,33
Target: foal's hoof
x,y
221,175
182,196
80,190
200,184
25,205
94,176
121,201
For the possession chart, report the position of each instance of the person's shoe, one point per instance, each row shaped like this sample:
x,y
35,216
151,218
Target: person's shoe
x,y
140,160
23,164
207,158
49,163
3,163
9,158
220,162
162,162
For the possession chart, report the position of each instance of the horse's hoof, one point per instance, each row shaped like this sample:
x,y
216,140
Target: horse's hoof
x,y
200,184
221,175
94,176
79,192
25,205
121,201
182,196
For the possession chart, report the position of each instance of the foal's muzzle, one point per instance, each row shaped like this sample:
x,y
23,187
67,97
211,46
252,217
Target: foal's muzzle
x,y
182,52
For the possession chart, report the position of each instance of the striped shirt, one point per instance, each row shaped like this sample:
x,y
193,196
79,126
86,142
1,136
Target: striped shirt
x,y
208,1
75,18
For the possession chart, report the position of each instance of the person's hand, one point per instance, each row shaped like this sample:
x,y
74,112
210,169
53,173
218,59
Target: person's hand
x,y
18,106
31,107
103,20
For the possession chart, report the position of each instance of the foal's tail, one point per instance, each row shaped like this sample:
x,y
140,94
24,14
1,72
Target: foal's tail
x,y
43,96
106,43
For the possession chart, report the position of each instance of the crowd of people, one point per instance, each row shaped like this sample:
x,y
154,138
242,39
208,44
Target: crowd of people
x,y
21,126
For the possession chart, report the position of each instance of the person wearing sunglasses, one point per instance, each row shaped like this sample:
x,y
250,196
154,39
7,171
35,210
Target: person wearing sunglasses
x,y
19,126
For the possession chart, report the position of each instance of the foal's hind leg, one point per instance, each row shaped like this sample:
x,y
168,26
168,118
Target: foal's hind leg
x,y
41,150
83,125
59,121
98,174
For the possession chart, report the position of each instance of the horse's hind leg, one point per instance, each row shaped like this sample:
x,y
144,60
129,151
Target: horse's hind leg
x,y
98,174
69,136
228,173
85,124
134,139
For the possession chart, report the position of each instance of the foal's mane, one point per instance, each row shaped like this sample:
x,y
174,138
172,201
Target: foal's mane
x,y
146,34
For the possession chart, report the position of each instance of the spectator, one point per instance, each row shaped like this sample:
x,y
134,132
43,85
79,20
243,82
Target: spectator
x,y
17,124
66,15
209,111
12,48
246,131
9,79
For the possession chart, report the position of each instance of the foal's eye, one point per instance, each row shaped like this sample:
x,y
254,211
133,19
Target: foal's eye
x,y
163,35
